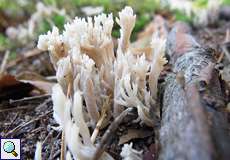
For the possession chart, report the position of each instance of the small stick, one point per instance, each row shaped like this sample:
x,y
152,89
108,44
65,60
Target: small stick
x,y
48,136
227,37
98,127
19,108
225,50
220,57
112,128
52,148
28,54
15,109
62,146
99,123
4,62
26,124
29,99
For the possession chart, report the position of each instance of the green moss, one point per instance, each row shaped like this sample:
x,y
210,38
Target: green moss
x,y
43,27
13,55
14,8
180,16
4,42
200,3
50,2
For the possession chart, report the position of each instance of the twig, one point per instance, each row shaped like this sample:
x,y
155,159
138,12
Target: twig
x,y
51,78
26,124
26,107
56,154
97,129
44,103
49,134
37,130
225,50
4,62
52,147
220,57
12,121
108,134
99,123
28,54
227,37
14,109
62,146
29,99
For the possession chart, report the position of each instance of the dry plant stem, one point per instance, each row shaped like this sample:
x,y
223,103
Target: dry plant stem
x,y
220,58
97,129
4,62
227,37
18,107
22,125
28,54
99,123
109,132
52,146
15,109
26,99
62,146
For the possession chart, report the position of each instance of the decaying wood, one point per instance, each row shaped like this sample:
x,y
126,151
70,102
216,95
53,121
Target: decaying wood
x,y
109,132
193,125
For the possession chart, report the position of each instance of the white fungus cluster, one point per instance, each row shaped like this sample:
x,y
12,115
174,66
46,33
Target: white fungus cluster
x,y
27,31
128,153
89,69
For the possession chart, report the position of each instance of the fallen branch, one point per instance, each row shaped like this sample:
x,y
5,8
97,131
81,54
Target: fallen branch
x,y
109,132
193,126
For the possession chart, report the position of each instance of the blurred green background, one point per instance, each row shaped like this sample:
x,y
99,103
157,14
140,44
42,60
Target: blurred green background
x,y
18,12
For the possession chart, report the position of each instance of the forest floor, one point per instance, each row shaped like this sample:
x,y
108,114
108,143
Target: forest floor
x,y
31,119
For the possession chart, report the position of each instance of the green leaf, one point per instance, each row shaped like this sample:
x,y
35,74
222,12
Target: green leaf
x,y
59,21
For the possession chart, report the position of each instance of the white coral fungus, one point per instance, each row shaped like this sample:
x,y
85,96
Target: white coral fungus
x,y
128,153
202,13
26,32
88,69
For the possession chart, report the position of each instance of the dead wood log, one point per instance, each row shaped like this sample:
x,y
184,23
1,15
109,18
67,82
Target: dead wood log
x,y
193,126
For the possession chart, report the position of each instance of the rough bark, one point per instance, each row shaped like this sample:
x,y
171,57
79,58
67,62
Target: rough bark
x,y
193,126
